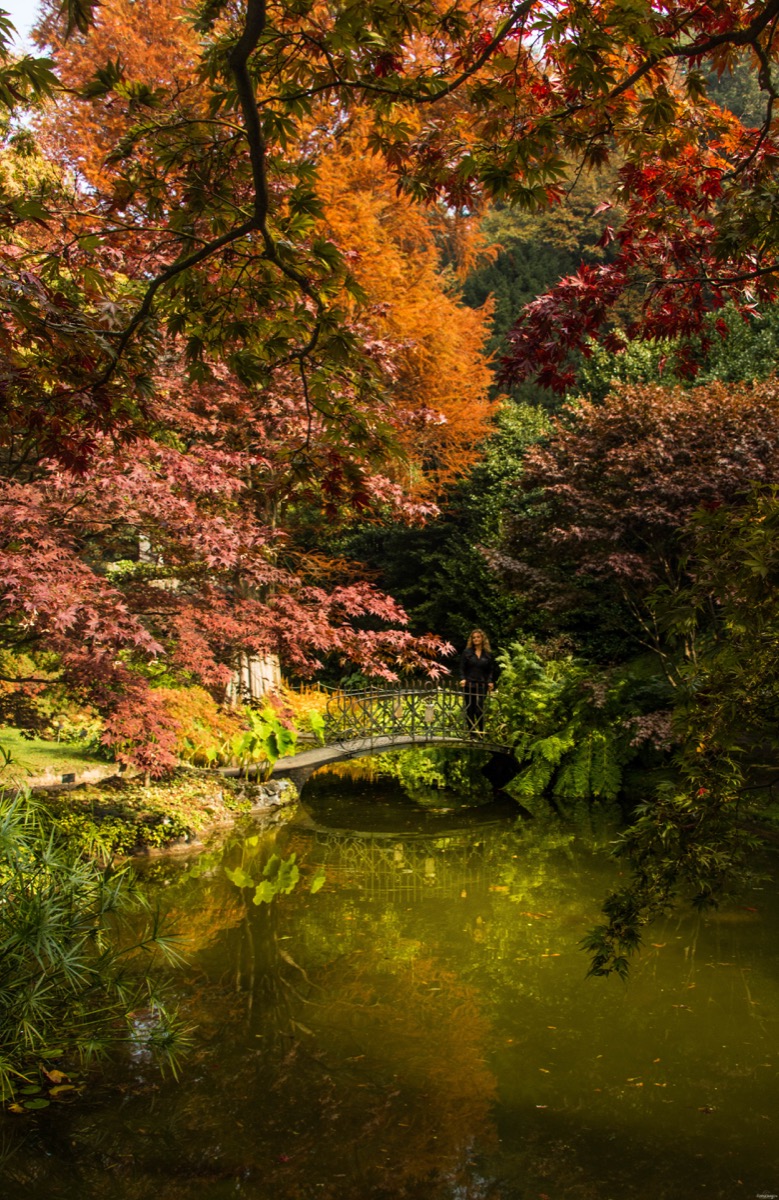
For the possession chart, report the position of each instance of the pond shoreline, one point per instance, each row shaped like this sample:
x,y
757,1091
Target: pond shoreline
x,y
128,819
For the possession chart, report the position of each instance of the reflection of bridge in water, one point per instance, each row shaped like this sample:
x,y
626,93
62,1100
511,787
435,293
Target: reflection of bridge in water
x,y
389,718
406,867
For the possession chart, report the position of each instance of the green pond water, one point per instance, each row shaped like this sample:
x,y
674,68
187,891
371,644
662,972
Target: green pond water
x,y
421,1026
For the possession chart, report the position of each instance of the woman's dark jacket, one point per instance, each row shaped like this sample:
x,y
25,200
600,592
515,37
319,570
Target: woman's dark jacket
x,y
478,669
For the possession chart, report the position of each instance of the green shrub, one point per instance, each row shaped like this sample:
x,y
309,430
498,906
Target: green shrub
x,y
70,950
574,728
268,738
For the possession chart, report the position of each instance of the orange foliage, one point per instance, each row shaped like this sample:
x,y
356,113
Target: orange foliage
x,y
395,248
153,44
443,374
303,703
204,727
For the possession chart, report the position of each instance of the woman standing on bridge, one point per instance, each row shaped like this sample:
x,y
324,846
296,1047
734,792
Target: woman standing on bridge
x,y
478,670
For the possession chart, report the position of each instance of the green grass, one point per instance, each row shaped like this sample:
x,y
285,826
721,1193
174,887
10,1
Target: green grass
x,y
39,757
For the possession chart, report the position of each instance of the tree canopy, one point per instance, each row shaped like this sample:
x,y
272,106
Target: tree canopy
x,y
192,208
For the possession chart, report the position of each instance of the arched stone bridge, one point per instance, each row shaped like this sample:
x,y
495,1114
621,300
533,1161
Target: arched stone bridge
x,y
389,718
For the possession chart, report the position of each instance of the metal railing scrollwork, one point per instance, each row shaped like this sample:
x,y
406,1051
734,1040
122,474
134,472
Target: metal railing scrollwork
x,y
426,711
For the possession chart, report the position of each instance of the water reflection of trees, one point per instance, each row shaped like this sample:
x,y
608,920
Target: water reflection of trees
x,y
349,1042
345,1040
351,1058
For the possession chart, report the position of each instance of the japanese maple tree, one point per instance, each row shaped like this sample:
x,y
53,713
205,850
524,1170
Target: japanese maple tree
x,y
604,505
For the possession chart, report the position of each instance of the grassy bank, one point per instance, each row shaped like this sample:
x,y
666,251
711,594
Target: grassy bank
x,y
39,758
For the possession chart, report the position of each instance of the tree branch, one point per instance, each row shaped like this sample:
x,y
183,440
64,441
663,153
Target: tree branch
x,y
743,37
238,59
414,97
181,264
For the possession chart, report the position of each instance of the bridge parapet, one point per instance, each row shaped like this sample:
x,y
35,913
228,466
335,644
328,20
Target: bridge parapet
x,y
427,711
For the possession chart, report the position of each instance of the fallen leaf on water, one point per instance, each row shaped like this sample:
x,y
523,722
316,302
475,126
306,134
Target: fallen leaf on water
x,y
706,1108
544,1070
15,1108
661,1085
659,945
498,887
62,1087
657,1060
55,1076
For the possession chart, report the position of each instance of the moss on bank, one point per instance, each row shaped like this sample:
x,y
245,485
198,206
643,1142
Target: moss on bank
x,y
126,817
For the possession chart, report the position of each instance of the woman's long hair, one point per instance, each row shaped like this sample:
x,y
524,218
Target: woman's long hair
x,y
485,641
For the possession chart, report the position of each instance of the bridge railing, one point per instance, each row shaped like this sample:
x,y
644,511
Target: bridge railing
x,y
426,710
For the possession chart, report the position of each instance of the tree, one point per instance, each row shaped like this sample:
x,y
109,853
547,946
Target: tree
x,y
215,578
223,571
609,496
441,375
440,570
699,836
478,102
533,251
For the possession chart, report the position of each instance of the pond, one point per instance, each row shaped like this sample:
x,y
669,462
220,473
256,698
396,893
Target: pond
x,y
421,1026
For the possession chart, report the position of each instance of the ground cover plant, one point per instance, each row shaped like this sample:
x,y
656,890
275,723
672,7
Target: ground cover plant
x,y
126,816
